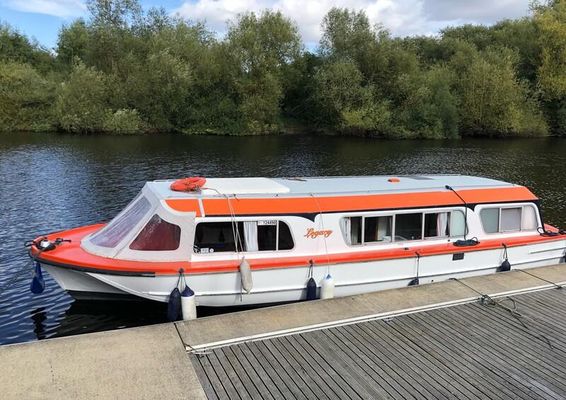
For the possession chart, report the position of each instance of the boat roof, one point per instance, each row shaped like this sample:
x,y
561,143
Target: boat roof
x,y
342,185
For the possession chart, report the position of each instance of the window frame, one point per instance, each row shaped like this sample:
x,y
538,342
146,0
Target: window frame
x,y
507,206
237,220
393,215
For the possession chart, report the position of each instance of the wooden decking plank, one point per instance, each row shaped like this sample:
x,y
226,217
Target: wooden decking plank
x,y
353,368
446,356
297,378
264,377
222,376
293,383
235,378
395,349
322,367
311,379
518,368
532,349
208,382
538,360
423,358
341,375
395,376
243,373
460,344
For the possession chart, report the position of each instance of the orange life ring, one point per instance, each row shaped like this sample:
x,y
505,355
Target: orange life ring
x,y
188,184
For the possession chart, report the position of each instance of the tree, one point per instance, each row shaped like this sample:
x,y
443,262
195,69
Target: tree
x,y
25,98
261,46
493,101
82,102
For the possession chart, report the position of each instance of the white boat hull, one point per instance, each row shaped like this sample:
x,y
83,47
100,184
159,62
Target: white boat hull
x,y
288,284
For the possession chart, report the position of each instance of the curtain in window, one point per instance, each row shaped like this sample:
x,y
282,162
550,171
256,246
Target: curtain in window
x,y
441,224
250,235
347,229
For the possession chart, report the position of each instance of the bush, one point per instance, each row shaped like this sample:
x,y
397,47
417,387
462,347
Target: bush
x,y
81,105
25,98
122,122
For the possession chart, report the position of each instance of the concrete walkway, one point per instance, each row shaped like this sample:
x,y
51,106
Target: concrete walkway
x,y
139,363
152,362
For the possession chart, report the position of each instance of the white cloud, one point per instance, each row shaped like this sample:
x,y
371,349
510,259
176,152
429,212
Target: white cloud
x,y
58,8
401,17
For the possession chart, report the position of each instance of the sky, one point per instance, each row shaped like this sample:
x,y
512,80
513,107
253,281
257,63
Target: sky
x,y
42,19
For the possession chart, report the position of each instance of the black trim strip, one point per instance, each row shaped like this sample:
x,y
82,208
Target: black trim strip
x,y
96,270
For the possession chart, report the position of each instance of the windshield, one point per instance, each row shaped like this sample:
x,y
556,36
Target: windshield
x,y
119,227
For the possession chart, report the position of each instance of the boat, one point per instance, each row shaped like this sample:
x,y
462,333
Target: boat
x,y
241,241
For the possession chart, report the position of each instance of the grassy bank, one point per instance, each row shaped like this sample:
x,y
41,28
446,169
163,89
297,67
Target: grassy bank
x,y
126,70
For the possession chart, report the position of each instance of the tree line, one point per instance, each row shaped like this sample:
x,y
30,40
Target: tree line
x,y
127,70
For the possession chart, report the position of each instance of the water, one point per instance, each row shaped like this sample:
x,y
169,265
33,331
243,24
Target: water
x,y
52,182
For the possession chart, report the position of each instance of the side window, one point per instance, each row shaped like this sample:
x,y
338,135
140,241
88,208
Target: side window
x,y
377,229
437,225
157,235
285,241
508,219
213,237
408,226
265,235
529,222
457,223
490,220
444,224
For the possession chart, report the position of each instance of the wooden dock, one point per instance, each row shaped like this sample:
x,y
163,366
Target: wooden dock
x,y
508,348
500,336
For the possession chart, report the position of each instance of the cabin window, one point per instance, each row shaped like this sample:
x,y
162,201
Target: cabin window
x,y
508,219
375,229
211,237
408,226
157,235
412,226
444,224
119,227
264,235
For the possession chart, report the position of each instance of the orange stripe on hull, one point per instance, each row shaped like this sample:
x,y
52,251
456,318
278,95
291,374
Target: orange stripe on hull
x,y
305,205
72,254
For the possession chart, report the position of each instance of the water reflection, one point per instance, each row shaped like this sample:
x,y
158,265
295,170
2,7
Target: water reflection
x,y
53,182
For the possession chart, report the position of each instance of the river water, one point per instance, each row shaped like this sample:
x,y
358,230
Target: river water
x,y
52,182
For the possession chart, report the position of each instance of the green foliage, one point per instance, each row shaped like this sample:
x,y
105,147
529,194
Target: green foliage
x,y
25,98
82,101
124,70
122,122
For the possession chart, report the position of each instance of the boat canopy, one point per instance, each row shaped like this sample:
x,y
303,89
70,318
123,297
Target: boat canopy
x,y
145,230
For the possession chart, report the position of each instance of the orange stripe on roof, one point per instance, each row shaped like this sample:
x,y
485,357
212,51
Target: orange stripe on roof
x,y
303,205
184,205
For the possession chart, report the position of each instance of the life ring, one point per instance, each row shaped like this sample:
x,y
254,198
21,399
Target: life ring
x,y
188,184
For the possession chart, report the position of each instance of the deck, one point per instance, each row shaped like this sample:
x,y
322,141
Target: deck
x,y
509,349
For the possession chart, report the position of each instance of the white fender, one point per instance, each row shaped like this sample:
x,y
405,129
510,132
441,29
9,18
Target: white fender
x,y
188,304
246,276
327,287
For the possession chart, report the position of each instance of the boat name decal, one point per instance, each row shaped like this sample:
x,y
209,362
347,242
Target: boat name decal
x,y
313,234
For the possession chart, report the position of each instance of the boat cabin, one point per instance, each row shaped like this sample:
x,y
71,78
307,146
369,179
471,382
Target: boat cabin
x,y
262,217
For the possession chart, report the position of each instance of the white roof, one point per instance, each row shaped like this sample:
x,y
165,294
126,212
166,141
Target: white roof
x,y
327,185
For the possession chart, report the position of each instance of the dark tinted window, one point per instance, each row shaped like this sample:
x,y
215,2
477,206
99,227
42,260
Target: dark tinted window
x,y
157,235
285,238
408,226
213,237
267,237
